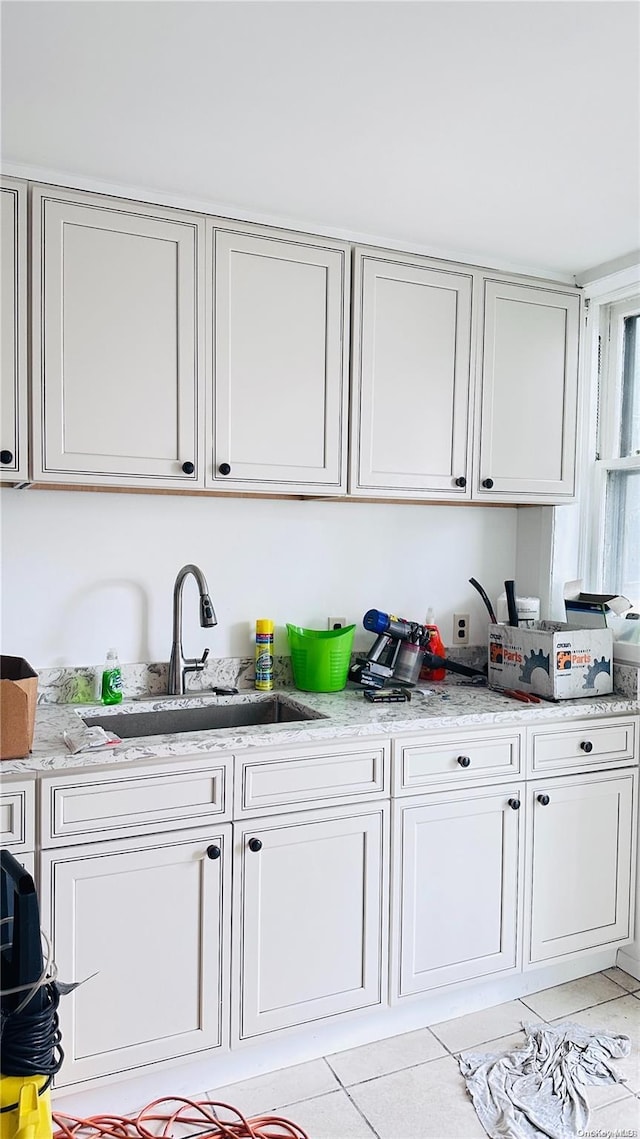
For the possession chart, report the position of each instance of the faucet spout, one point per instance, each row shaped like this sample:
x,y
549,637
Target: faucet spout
x,y
178,665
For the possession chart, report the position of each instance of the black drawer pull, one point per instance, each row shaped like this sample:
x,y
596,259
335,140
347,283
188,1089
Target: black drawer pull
x,y
6,457
587,746
487,483
461,481
255,845
188,468
514,804
543,800
464,761
213,852
224,469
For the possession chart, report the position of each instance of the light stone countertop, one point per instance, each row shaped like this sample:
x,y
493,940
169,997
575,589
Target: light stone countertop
x,y
345,715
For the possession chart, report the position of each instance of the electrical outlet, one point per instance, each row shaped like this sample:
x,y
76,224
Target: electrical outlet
x,y
336,622
461,628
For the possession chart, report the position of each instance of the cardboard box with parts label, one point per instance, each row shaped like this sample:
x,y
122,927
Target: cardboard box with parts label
x,y
552,659
18,695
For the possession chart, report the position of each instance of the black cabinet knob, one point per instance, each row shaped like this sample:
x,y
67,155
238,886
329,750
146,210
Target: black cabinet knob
x,y
461,481
213,852
464,760
514,804
255,845
188,468
6,457
587,746
224,469
487,483
543,800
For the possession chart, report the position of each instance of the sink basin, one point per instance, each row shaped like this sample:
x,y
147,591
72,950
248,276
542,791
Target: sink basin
x,y
271,710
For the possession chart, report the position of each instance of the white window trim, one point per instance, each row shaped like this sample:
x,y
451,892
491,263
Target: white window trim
x,y
598,437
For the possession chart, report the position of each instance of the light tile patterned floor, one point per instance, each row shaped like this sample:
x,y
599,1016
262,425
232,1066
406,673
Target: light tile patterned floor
x,y
410,1087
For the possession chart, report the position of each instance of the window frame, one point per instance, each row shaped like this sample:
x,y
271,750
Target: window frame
x,y
608,302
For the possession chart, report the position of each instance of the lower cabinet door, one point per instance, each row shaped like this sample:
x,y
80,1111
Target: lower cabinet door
x,y
456,873
28,861
142,926
579,863
310,917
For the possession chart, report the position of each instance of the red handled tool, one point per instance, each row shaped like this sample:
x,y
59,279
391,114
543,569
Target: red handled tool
x,y
517,694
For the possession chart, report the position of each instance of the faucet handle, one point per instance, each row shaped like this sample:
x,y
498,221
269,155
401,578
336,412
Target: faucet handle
x,y
194,665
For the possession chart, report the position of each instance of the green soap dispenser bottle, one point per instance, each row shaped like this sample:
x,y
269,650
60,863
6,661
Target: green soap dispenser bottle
x,y
112,679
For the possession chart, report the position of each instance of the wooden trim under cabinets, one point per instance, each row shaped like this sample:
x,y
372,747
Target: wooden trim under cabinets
x,y
196,493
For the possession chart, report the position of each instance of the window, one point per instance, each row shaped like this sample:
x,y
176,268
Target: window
x,y
612,531
618,448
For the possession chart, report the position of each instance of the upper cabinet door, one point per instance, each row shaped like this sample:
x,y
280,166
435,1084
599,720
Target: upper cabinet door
x,y
115,341
13,366
278,416
411,374
528,413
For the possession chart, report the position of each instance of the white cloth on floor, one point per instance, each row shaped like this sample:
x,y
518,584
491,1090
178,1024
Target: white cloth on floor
x,y
538,1089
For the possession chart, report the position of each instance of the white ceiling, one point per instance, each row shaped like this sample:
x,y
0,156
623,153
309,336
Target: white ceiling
x,y
504,132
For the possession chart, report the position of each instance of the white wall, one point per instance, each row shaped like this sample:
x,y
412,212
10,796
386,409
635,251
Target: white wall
x,y
83,571
534,555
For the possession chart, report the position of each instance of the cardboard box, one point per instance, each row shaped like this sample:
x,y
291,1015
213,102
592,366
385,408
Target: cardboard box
x,y
553,659
590,610
18,695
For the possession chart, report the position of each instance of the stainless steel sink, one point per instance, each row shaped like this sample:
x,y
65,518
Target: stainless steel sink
x,y
165,721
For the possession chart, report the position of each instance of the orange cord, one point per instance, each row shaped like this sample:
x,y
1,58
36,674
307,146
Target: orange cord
x,y
206,1123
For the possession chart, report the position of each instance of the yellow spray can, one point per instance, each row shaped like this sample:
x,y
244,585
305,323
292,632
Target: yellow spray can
x,y
264,655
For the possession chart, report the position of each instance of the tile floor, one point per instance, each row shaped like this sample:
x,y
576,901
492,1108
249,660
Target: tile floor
x,y
410,1087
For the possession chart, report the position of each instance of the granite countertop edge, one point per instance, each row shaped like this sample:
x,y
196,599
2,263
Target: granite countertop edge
x,y
346,716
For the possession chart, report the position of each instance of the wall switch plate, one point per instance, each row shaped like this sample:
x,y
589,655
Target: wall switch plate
x,y
336,622
461,628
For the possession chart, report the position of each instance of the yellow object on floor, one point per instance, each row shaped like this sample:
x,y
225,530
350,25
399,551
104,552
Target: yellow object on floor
x,y
31,1117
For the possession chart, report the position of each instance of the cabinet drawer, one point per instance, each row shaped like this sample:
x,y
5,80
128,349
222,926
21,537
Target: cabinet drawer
x,y
116,804
454,760
582,747
18,815
312,777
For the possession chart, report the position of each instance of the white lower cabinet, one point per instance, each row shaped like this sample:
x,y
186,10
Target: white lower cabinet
x,y
310,924
493,872
143,925
580,855
18,821
18,815
456,881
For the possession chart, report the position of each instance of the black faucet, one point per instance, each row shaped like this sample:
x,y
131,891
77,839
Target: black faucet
x,y
179,666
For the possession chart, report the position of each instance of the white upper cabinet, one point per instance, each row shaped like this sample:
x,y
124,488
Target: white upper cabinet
x,y
277,419
411,376
173,350
116,350
13,348
526,436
